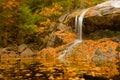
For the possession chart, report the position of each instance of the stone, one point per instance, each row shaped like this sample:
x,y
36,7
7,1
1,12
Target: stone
x,y
13,55
8,50
22,47
27,53
54,41
51,39
62,18
52,26
61,26
116,39
101,16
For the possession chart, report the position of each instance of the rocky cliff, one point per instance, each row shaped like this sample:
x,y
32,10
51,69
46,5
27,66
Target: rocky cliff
x,y
102,16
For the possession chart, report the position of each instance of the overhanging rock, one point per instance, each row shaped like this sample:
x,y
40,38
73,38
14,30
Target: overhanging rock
x,y
101,16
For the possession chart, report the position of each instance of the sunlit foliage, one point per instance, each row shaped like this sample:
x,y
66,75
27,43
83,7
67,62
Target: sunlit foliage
x,y
21,20
28,21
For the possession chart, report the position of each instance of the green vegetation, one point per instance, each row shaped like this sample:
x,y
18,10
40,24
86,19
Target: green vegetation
x,y
103,33
29,22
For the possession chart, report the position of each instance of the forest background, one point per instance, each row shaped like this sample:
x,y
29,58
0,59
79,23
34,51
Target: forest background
x,y
28,21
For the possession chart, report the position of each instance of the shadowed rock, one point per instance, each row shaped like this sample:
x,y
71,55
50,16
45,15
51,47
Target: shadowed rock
x,y
101,16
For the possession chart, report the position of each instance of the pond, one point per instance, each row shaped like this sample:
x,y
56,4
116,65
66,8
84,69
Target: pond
x,y
37,69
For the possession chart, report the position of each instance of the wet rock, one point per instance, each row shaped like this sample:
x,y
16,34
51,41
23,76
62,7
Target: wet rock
x,y
13,55
7,50
63,17
54,41
61,26
52,26
103,58
101,16
27,53
22,47
58,41
116,39
51,39
98,52
100,59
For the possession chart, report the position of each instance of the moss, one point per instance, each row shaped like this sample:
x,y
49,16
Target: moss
x,y
103,33
118,49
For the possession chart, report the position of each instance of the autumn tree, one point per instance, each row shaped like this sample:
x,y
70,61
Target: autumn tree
x,y
28,21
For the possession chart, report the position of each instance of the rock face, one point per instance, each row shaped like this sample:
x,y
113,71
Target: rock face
x,y
27,53
102,16
22,47
16,51
57,36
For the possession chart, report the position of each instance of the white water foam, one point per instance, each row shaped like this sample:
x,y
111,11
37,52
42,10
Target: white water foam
x,y
78,26
115,3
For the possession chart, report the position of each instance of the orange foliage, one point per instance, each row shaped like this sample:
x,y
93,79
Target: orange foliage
x,y
10,8
67,37
104,43
46,23
48,11
86,50
48,14
47,55
11,5
88,2
82,56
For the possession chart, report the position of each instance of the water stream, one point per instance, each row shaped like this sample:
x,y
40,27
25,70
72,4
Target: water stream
x,y
115,3
78,27
80,22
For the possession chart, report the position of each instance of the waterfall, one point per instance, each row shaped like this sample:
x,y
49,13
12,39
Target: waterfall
x,y
80,22
78,28
76,23
115,3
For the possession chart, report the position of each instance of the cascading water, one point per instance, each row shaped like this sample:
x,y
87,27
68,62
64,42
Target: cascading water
x,y
78,27
80,22
115,3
